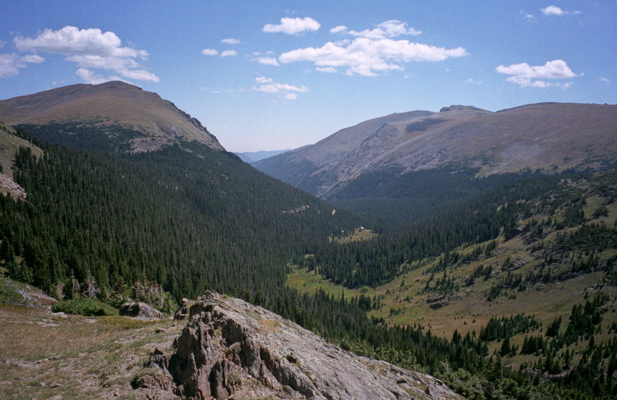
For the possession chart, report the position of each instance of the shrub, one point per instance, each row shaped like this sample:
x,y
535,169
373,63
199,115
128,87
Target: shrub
x,y
87,307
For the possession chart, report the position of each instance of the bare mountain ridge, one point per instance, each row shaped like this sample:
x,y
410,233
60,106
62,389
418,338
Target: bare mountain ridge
x,y
547,136
109,105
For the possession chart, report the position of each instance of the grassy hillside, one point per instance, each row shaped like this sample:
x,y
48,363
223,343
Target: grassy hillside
x,y
108,109
542,297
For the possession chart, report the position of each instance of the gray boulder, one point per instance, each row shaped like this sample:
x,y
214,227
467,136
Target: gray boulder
x,y
139,309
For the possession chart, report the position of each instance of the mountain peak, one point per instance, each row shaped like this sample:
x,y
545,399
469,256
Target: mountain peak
x,y
462,108
109,107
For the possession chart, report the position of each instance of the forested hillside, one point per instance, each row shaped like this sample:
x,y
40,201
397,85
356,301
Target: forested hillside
x,y
186,218
525,274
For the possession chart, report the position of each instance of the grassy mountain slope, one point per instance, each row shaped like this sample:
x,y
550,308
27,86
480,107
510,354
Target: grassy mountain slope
x,y
548,287
140,120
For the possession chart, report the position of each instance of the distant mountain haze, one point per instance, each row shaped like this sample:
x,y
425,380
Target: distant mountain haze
x,y
254,156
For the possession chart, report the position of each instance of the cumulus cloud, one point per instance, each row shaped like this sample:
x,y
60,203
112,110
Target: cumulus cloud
x,y
214,52
387,29
267,61
338,29
526,75
293,26
89,48
329,70
88,76
554,10
10,64
230,41
368,56
263,79
267,85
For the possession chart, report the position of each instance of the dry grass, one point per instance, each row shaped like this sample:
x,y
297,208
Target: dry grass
x,y
45,356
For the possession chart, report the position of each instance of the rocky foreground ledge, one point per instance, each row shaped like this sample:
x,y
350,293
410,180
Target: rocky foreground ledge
x,y
231,349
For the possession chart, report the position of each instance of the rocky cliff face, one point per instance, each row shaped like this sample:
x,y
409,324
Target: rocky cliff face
x,y
232,349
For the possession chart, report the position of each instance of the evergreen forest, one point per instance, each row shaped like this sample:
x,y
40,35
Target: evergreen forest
x,y
170,224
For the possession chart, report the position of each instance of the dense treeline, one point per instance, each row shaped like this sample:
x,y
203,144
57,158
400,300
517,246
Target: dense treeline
x,y
187,220
478,220
501,328
394,199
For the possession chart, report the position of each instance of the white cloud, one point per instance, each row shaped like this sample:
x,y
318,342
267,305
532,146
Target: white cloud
x,y
263,79
32,58
267,85
139,74
88,76
605,80
89,48
526,75
10,64
73,41
329,70
293,26
126,67
230,41
229,53
368,56
338,29
554,10
388,29
267,61
527,16
210,52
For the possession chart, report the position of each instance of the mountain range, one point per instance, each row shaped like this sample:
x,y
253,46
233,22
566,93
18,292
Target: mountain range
x,y
551,137
481,251
390,162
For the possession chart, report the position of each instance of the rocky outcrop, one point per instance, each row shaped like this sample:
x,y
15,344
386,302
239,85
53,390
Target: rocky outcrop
x,y
183,311
232,349
132,309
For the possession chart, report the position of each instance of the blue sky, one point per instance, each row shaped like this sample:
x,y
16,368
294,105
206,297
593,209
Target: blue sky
x,y
267,75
